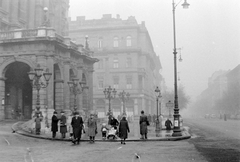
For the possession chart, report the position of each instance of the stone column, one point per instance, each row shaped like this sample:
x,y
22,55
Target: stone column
x,y
66,89
2,96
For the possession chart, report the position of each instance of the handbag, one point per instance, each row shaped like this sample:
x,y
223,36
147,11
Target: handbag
x,y
147,123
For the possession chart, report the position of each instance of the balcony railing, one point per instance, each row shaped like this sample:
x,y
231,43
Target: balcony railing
x,y
37,33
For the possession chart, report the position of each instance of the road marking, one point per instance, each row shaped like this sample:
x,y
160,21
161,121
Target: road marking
x,y
7,141
119,148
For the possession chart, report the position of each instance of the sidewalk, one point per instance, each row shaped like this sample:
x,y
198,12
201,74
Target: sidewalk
x,y
22,128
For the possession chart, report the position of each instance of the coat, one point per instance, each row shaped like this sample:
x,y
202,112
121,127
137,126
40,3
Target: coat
x,y
168,124
143,124
77,125
63,125
38,123
54,123
123,129
92,127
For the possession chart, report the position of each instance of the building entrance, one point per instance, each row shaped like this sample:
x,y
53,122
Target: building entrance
x,y
18,92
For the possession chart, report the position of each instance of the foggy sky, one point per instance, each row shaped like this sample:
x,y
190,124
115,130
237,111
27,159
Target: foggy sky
x,y
208,33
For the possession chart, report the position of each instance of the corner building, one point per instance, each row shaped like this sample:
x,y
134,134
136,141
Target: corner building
x,y
30,37
127,61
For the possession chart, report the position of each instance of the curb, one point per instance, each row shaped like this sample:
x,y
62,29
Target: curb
x,y
185,135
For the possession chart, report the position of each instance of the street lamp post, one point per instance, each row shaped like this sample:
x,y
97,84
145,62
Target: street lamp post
x,y
109,94
75,90
35,78
158,96
124,97
176,129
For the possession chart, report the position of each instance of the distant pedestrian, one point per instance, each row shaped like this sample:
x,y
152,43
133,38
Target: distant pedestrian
x,y
38,121
63,124
123,130
92,128
143,125
104,130
113,122
54,124
77,125
168,124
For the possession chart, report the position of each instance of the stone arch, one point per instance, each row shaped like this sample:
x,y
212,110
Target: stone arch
x,y
17,90
4,65
58,95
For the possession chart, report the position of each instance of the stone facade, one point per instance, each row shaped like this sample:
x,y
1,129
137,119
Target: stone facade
x,y
23,50
30,14
127,61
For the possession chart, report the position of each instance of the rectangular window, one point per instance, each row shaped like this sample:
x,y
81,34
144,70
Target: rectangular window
x,y
129,62
100,84
115,63
116,82
115,42
100,43
129,41
129,83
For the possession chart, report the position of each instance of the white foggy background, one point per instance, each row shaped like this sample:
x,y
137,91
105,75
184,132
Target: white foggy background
x,y
208,33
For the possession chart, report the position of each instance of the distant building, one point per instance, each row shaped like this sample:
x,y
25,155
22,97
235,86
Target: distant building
x,y
30,37
127,61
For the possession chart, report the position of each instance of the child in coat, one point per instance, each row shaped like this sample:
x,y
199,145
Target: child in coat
x,y
104,130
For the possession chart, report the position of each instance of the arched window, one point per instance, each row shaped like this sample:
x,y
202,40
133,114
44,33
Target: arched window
x,y
115,42
129,41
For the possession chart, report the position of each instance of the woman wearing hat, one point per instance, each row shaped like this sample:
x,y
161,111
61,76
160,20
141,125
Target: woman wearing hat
x,y
63,126
54,124
123,129
92,128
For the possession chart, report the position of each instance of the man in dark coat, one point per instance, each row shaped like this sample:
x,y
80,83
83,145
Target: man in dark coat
x,y
113,122
54,124
123,130
63,126
143,125
168,124
77,125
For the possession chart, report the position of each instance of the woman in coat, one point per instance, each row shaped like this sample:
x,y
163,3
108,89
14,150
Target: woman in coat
x,y
123,130
143,125
92,128
63,125
54,124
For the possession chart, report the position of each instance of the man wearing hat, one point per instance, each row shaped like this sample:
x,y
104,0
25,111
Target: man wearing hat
x,y
63,126
77,125
54,124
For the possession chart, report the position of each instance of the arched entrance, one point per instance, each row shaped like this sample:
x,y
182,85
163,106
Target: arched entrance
x,y
18,91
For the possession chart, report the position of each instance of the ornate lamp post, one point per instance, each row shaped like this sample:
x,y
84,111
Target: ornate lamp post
x,y
36,81
158,96
75,90
176,129
109,94
124,97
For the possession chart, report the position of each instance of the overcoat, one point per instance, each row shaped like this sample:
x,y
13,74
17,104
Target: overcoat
x,y
123,129
168,124
54,123
77,125
92,127
143,124
63,125
38,123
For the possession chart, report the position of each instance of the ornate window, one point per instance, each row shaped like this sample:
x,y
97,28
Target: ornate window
x,y
129,41
115,63
115,42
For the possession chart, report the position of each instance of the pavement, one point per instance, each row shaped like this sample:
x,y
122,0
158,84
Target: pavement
x,y
25,128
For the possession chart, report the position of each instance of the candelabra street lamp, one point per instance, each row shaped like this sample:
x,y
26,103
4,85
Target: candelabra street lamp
x,y
176,129
36,81
109,94
158,96
124,97
75,90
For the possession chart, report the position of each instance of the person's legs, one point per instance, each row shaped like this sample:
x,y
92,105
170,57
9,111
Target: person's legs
x,y
124,141
145,135
78,140
93,139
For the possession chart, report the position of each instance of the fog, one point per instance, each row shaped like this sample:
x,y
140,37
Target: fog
x,y
208,33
